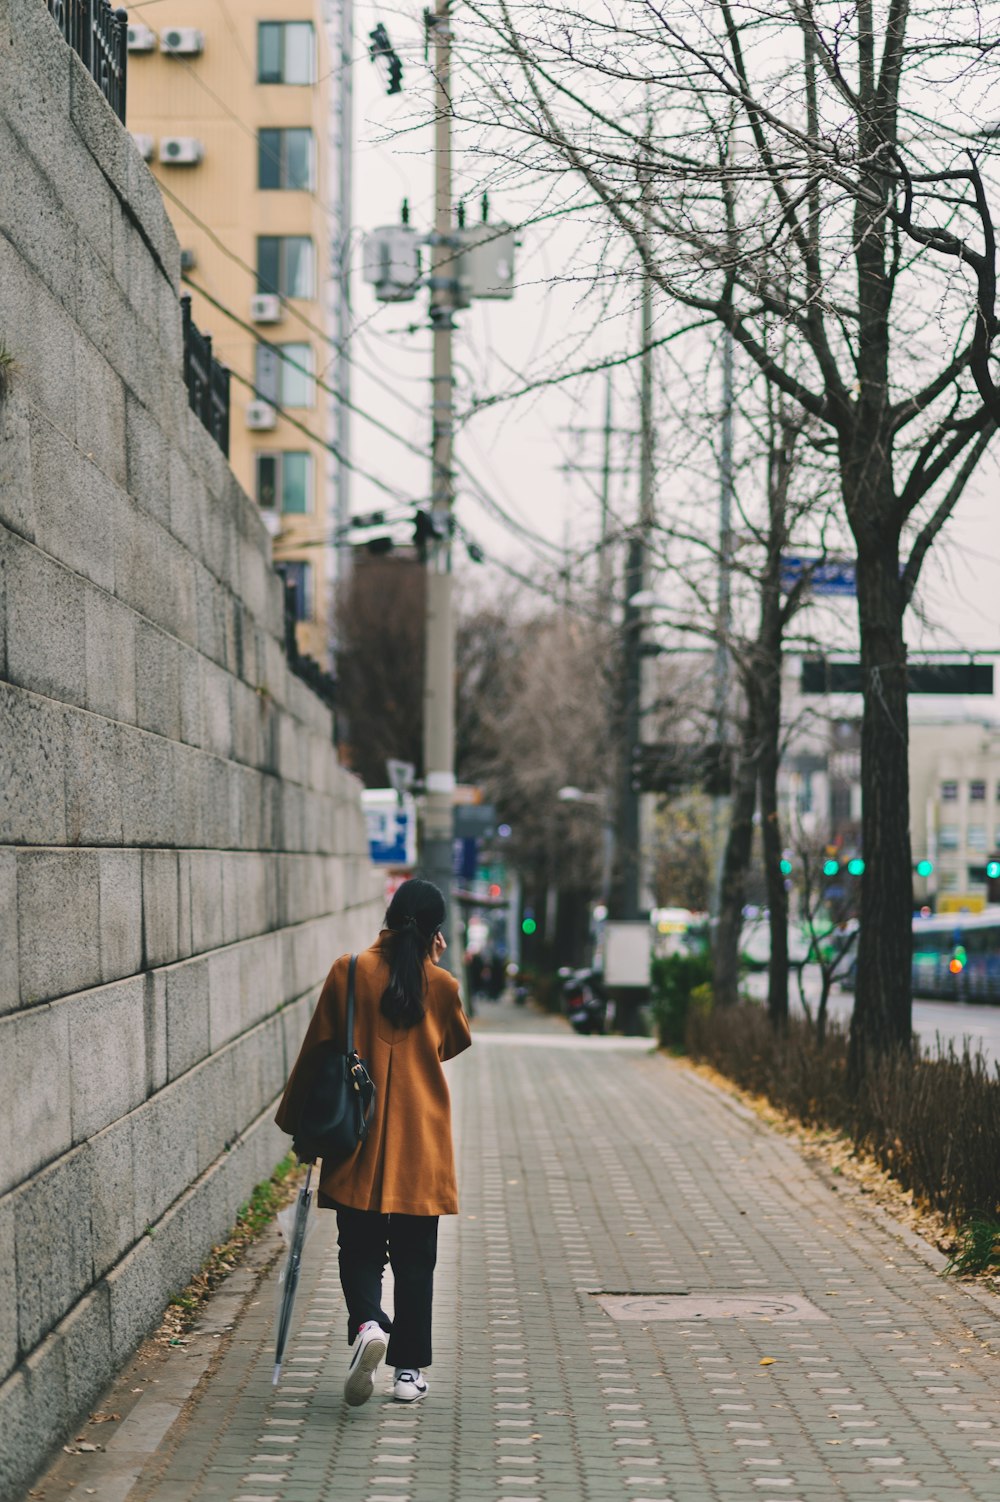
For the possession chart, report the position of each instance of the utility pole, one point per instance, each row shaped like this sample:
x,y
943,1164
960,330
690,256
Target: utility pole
x,y
721,672
439,659
340,33
635,568
604,567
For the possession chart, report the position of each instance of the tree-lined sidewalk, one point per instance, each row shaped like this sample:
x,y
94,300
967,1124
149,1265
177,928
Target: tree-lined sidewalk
x,y
833,1359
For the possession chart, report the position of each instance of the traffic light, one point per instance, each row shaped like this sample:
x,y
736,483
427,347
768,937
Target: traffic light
x,y
993,880
785,867
926,868
830,867
528,924
856,867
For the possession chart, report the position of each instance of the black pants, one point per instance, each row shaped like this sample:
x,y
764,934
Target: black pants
x,y
409,1243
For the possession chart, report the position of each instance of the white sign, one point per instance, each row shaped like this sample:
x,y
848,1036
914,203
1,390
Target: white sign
x,y
391,818
627,951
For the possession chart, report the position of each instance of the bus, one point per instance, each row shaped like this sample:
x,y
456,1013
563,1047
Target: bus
x,y
956,956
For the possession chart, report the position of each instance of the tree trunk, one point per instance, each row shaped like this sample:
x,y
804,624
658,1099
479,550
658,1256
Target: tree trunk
x,y
882,1017
769,690
735,862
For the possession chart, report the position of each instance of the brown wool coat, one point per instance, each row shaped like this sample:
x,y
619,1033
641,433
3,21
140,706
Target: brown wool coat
x,y
406,1166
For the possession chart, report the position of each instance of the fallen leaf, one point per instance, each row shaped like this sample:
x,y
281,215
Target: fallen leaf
x,y
87,1449
105,1418
766,1361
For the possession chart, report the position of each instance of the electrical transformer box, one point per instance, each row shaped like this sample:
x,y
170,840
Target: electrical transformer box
x,y
391,262
488,261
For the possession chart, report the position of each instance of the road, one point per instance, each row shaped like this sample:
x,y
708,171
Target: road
x,y
952,1021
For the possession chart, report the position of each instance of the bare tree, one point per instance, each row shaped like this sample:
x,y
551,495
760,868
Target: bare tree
x,y
824,169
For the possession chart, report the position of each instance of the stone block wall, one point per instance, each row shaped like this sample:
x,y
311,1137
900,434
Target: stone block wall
x,y
181,857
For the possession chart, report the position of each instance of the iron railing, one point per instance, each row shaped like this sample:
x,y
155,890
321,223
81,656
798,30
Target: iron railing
x,y
207,381
99,36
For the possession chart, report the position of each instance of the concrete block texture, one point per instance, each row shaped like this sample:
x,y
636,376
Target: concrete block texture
x,y
187,1015
77,507
110,652
46,635
8,1289
35,1106
58,921
32,764
10,978
107,1055
16,505
120,912
157,681
52,1246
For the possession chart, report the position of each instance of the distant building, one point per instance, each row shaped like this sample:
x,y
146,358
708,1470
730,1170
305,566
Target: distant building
x,y
230,105
954,805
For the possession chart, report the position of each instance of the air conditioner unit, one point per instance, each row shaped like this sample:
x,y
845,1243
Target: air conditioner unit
x,y
181,151
144,145
266,307
141,38
261,417
182,41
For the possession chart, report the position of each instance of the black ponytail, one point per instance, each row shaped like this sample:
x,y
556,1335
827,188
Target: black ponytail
x,y
414,916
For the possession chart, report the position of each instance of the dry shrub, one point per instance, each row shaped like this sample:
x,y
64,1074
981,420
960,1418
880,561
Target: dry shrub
x,y
933,1122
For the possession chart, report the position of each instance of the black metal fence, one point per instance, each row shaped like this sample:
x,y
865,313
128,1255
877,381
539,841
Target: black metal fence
x,y
207,381
99,35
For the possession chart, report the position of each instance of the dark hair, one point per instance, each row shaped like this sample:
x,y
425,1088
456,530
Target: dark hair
x,y
414,916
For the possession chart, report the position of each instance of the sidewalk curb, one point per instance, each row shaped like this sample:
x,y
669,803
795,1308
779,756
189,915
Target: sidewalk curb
x,y
113,1471
845,1190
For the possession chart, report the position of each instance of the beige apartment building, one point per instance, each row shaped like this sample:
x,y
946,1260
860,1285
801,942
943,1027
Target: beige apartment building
x,y
954,805
229,104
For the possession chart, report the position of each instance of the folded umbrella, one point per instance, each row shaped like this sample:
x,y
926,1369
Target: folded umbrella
x,y
289,1280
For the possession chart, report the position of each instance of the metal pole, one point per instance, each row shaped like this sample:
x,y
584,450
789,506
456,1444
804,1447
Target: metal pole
x,y
721,674
604,571
439,661
339,16
635,568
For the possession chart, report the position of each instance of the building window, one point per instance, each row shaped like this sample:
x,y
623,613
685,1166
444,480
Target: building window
x,y
286,52
284,374
948,881
285,158
284,482
948,837
977,792
975,837
949,792
299,576
286,264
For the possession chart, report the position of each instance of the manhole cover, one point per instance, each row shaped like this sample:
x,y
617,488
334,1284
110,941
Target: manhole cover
x,y
777,1307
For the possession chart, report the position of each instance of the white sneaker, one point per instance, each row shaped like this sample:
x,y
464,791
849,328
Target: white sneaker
x,y
369,1348
409,1386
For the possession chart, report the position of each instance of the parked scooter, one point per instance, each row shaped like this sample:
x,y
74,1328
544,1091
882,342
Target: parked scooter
x,y
584,1001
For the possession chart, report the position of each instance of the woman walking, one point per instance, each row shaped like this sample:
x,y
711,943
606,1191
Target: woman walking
x,y
389,1195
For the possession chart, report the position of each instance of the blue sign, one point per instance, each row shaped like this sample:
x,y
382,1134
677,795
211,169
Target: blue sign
x,y
826,577
392,827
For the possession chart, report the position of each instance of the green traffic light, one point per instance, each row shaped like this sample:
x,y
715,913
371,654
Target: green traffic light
x,y
830,868
926,868
528,926
993,869
786,868
856,867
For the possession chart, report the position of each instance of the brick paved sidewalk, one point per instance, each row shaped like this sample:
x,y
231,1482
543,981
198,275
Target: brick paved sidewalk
x,y
834,1361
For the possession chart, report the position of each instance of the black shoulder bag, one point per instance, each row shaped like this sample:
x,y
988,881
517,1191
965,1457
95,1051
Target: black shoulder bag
x,y
338,1097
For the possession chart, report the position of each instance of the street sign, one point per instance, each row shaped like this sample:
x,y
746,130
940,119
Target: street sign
x,y
820,676
829,576
628,948
391,819
474,821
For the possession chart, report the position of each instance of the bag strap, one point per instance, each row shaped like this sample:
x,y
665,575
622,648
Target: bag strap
x,y
349,1049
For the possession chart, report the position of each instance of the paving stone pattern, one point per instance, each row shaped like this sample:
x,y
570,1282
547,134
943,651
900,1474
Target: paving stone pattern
x,y
592,1165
